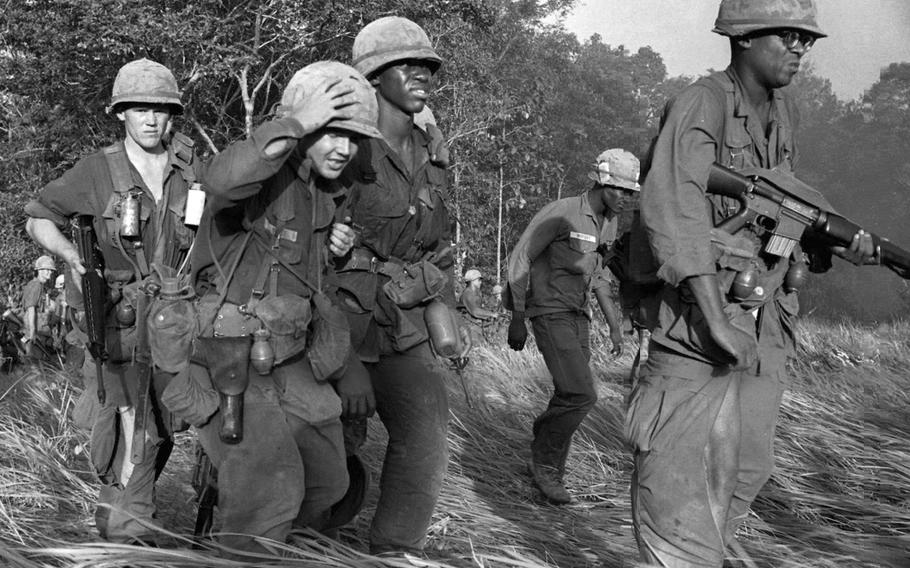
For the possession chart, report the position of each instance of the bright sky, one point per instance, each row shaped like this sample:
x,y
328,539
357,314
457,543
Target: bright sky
x,y
864,36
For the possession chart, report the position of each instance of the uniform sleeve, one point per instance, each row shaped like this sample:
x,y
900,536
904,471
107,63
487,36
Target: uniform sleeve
x,y
240,170
674,210
543,229
31,294
71,194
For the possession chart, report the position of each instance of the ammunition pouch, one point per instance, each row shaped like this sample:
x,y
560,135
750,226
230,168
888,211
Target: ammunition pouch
x,y
415,284
330,341
287,318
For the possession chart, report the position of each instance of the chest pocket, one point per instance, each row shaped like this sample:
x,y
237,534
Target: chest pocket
x,y
579,256
738,152
382,210
290,241
434,215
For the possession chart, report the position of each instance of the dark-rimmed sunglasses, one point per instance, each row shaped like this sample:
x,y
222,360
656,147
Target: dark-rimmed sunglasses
x,y
792,38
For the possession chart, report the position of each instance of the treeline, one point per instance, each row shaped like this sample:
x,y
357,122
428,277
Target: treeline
x,y
525,106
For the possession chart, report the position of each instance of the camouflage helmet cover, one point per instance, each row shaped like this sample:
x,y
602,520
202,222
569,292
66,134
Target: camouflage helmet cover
x,y
391,39
365,110
472,275
145,81
618,168
45,262
738,18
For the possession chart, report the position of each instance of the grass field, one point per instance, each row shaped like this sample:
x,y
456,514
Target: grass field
x,y
840,495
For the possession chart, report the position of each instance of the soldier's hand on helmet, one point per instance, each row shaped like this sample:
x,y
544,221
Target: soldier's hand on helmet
x,y
617,340
518,331
329,100
356,392
341,239
740,346
862,250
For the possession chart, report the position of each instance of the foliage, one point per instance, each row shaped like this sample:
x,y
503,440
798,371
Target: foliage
x,y
524,104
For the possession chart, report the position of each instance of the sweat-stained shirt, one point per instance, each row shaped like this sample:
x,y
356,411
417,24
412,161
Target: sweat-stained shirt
x,y
553,266
712,121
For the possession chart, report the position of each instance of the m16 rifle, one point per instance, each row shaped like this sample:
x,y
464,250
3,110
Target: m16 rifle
x,y
787,208
94,294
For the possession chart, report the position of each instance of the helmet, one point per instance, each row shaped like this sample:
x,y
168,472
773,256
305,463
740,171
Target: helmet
x,y
59,282
471,275
616,167
389,39
365,109
43,262
742,17
144,81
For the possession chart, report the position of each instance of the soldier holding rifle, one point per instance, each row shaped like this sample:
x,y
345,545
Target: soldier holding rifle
x,y
129,202
701,420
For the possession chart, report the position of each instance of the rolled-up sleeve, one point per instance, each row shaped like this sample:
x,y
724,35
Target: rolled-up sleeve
x,y
71,194
540,232
674,210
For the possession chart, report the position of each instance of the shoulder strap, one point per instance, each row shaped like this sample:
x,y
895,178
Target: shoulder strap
x,y
182,148
725,99
119,168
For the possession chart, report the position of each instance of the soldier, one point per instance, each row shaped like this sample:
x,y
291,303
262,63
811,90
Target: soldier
x,y
35,305
552,269
266,414
134,191
701,419
401,261
471,298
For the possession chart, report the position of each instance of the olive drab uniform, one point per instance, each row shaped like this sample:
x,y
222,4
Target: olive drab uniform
x,y
403,221
259,390
101,185
679,398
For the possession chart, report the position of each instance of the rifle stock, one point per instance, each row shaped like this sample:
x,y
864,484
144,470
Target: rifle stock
x,y
789,203
94,295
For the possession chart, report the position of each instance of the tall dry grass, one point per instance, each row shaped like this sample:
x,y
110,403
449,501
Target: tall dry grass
x,y
840,495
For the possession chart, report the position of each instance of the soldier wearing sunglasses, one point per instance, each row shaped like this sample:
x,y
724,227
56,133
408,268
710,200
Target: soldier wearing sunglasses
x,y
701,419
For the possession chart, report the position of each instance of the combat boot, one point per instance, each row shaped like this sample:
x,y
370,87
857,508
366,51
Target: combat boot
x,y
549,481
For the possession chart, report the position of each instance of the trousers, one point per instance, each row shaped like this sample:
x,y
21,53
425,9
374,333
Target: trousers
x,y
290,465
565,343
126,508
412,403
702,451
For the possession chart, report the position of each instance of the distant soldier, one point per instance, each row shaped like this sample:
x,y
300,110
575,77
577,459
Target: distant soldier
x,y
136,192
552,270
471,298
36,308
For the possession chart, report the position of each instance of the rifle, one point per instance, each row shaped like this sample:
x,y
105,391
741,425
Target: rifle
x,y
94,294
786,208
